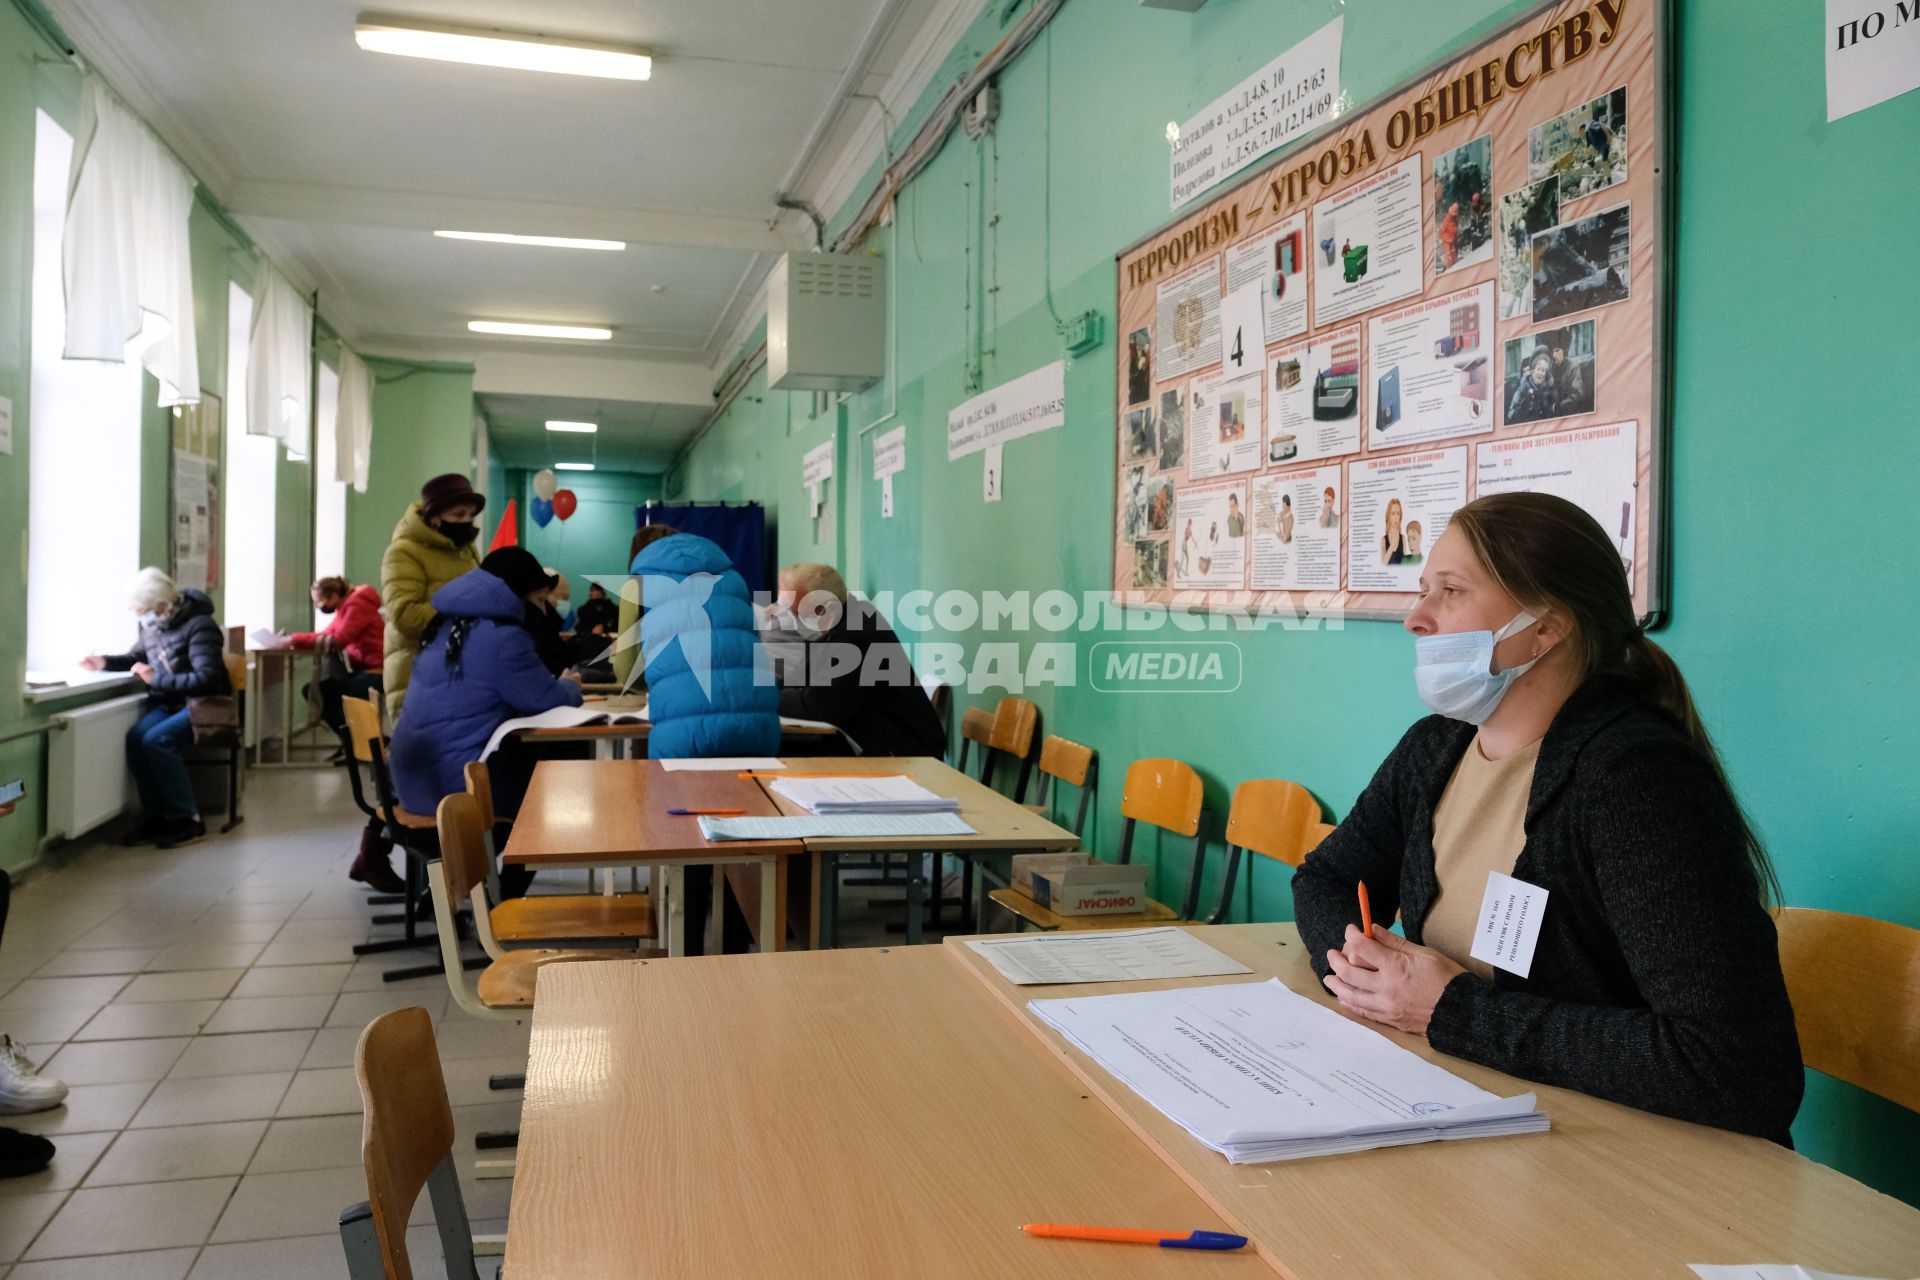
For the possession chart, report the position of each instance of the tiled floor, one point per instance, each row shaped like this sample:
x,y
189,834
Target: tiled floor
x,y
203,1004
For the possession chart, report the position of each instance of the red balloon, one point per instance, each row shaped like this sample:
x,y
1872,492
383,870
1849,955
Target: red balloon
x,y
564,503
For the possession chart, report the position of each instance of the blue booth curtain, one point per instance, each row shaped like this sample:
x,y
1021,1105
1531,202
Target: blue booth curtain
x,y
739,529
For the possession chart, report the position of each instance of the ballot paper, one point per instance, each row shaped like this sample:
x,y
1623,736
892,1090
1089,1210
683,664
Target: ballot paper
x,y
1766,1271
860,824
1124,955
261,638
881,793
1259,1073
716,764
563,718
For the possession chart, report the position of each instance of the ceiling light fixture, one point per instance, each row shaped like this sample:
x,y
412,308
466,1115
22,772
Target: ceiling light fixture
x,y
514,329
583,428
494,47
544,242
573,466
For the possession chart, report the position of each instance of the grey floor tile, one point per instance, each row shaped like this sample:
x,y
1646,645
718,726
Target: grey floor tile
x,y
467,1079
90,1108
210,1099
73,1155
332,1047
160,1264
205,955
302,1258
229,911
187,1151
368,974
115,1061
243,1053
22,1217
358,1008
337,950
235,931
63,993
293,980
270,1206
270,1013
137,1021
181,984
309,1142
155,1215
462,1036
330,1091
35,1026
83,962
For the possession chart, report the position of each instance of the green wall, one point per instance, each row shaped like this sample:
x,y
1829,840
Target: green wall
x,y
422,427
595,540
1791,647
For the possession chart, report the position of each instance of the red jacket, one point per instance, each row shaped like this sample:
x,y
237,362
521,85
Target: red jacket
x,y
357,628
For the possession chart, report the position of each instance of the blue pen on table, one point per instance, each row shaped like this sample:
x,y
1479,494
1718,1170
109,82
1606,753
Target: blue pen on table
x,y
706,813
1212,1240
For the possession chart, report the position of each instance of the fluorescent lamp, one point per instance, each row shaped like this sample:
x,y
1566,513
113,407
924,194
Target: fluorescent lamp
x,y
517,330
493,47
583,428
573,466
545,242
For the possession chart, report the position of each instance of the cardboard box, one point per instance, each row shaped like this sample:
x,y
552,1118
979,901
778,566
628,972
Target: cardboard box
x,y
1095,889
1026,864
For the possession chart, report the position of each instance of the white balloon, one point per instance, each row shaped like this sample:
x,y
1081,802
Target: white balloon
x,y
545,484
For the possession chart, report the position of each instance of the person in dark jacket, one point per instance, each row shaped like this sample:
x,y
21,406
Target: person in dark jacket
x,y
180,655
477,669
598,615
840,662
1565,752
548,626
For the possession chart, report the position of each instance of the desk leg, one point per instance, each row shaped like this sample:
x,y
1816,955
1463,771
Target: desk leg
x,y
717,912
676,910
773,905
603,749
916,896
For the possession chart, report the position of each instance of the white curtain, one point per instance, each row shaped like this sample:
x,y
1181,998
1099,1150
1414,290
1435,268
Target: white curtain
x,y
279,362
126,264
353,425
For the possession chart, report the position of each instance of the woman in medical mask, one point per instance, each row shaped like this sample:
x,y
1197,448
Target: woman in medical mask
x,y
432,545
1564,752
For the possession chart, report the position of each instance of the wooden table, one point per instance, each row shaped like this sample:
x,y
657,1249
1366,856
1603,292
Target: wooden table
x,y
819,1115
612,741
1000,826
613,813
1609,1192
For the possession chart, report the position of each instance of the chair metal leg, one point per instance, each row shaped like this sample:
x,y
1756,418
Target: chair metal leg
x,y
496,1141
361,1243
517,1080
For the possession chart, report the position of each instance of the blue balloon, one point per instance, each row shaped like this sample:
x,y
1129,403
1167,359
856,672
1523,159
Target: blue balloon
x,y
542,512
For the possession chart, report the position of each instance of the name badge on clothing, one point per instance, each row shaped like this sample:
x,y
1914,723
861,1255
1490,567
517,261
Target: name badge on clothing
x,y
1510,916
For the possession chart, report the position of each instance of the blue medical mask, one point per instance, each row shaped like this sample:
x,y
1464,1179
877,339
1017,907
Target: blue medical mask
x,y
149,619
1455,672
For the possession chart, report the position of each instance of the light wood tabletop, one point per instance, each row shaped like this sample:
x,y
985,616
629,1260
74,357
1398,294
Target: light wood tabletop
x,y
1609,1192
825,1114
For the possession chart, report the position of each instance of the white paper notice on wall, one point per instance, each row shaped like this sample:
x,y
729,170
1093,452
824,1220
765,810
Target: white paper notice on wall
x,y
886,497
1295,93
994,475
1033,402
813,499
890,453
1510,916
1243,329
6,425
1873,53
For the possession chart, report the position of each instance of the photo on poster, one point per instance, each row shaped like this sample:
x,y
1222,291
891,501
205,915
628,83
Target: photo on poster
x,y
1143,434
1133,502
1367,244
1550,374
1296,531
1210,524
1584,150
1139,365
1225,427
1430,369
1595,468
1582,265
1463,205
1397,508
1149,564
1173,428
1276,260
1186,316
1523,214
1315,411
1159,504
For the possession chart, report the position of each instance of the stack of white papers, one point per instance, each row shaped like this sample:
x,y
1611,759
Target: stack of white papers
x,y
1766,1271
1118,955
1258,1073
859,824
881,793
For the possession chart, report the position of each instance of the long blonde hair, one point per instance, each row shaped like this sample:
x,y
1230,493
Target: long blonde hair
x,y
1546,552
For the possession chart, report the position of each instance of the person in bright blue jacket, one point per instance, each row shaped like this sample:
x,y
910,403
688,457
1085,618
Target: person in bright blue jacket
x,y
700,647
477,669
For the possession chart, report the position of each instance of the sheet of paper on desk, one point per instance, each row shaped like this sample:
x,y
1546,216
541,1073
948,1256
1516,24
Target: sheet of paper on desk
x,y
716,764
562,718
1766,1271
862,824
1124,955
261,638
1259,1073
881,793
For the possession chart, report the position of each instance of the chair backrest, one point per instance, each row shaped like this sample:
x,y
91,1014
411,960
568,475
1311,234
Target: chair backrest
x,y
480,787
1855,986
1069,762
363,727
1274,818
1164,793
236,672
976,727
463,849
1014,721
408,1129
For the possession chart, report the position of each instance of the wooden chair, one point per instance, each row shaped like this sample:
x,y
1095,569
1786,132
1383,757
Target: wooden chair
x,y
1014,723
406,1144
976,729
1273,818
586,919
412,833
1162,793
1071,763
1855,986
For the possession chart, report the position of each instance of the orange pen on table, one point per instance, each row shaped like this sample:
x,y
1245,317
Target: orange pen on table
x,y
1214,1240
1366,911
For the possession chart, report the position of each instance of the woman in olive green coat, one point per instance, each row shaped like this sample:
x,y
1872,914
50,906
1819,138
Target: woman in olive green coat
x,y
433,544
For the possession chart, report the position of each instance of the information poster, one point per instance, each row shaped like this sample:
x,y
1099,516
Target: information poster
x,y
1430,369
1397,507
1318,397
1458,289
1297,517
1224,426
1367,244
196,494
1210,544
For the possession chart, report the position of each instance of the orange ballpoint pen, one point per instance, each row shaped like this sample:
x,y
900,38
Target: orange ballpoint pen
x,y
1366,911
1215,1240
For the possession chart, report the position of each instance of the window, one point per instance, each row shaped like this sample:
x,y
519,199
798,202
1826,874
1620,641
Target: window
x,y
329,495
251,474
83,521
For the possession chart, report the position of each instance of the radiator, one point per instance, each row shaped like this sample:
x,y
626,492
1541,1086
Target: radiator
x,y
87,778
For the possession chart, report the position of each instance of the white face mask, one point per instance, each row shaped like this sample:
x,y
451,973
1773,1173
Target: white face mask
x,y
150,618
1455,674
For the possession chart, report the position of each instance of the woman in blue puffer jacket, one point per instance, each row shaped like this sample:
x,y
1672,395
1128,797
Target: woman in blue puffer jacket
x,y
700,647
478,668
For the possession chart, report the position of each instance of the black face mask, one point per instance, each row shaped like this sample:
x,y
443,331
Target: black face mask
x,y
328,608
458,533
